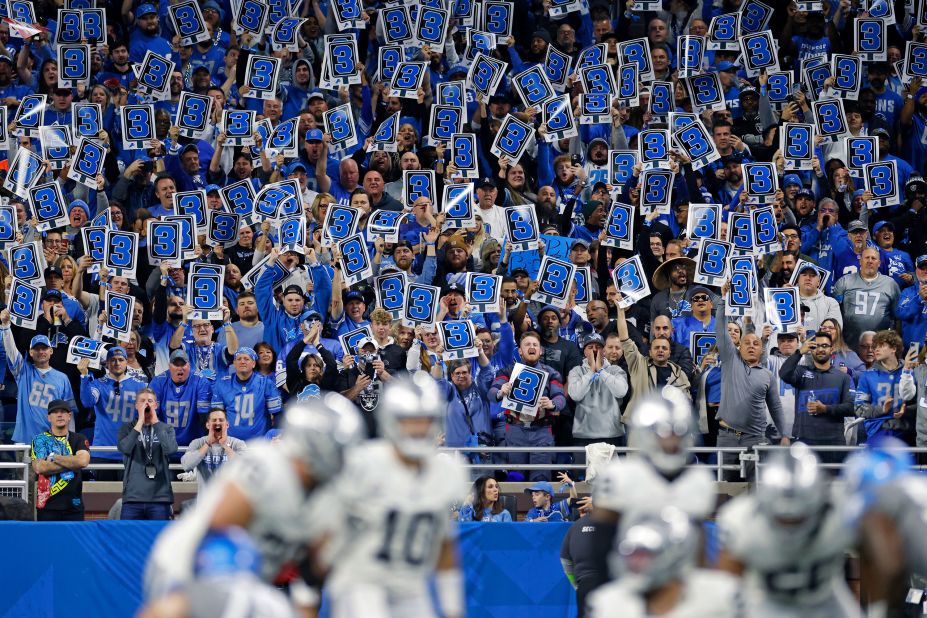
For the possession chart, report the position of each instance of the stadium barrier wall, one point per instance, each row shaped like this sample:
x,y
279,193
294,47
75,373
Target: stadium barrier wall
x,y
94,568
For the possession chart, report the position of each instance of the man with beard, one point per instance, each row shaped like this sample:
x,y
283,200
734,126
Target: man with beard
x,y
185,168
913,117
733,180
184,397
348,306
748,127
112,398
546,207
145,36
559,353
453,306
408,161
534,430
361,382
672,278
403,258
804,209
700,320
375,188
594,215
456,255
248,328
118,68
822,397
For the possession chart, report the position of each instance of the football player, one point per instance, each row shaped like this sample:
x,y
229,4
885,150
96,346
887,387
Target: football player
x,y
268,491
888,507
226,581
655,477
653,566
789,541
391,513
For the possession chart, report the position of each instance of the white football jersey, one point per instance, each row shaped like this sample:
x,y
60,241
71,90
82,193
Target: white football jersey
x,y
785,575
280,525
707,594
632,486
390,520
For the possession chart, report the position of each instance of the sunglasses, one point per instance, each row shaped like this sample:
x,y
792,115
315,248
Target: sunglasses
x,y
700,298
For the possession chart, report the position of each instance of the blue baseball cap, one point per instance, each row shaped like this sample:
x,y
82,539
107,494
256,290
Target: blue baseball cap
x,y
146,9
858,193
791,179
457,68
115,352
314,135
211,188
724,65
541,486
39,340
249,352
294,166
878,226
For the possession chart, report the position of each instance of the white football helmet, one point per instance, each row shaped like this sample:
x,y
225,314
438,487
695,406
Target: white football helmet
x,y
654,548
320,430
792,492
415,397
663,430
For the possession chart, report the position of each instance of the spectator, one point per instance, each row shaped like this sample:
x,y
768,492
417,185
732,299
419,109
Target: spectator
x,y
580,556
112,399
866,349
310,367
544,508
208,453
823,398
484,504
662,327
700,320
531,430
747,390
468,414
248,398
672,278
877,392
559,353
820,307
146,446
58,458
843,358
912,305
598,388
650,372
184,398
867,298
37,384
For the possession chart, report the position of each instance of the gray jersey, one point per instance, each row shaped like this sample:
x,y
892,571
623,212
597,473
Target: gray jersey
x,y
788,575
866,305
707,594
905,501
631,486
281,522
389,521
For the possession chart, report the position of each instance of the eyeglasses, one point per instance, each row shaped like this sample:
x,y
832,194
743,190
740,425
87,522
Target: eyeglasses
x,y
700,298
823,345
828,210
922,266
201,327
790,236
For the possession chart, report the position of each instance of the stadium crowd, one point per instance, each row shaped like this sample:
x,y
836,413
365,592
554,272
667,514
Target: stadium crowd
x,y
362,209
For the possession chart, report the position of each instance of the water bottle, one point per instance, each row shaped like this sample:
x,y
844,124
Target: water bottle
x,y
811,397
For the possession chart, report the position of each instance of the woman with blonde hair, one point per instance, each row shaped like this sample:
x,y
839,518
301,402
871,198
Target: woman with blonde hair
x,y
68,267
842,357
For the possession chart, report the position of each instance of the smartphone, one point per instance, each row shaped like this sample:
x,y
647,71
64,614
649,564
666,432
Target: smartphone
x,y
576,160
915,348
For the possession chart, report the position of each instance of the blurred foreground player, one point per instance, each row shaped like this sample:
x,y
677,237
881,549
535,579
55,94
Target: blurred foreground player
x,y
789,541
888,507
653,566
270,491
391,512
226,582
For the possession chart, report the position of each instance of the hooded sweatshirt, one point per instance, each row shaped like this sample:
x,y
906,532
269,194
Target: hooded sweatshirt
x,y
820,308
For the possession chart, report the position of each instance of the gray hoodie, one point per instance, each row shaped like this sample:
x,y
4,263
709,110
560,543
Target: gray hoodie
x,y
598,398
820,307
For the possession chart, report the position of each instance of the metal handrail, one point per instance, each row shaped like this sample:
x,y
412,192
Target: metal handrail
x,y
22,464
